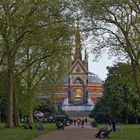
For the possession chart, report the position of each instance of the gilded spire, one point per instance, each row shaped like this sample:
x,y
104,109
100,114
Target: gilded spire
x,y
78,54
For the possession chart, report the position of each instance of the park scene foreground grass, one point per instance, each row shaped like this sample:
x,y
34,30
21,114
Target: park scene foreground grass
x,y
126,132
24,134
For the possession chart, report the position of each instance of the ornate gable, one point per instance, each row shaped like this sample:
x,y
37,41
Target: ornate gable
x,y
78,68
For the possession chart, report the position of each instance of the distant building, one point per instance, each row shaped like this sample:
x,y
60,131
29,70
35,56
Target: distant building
x,y
81,88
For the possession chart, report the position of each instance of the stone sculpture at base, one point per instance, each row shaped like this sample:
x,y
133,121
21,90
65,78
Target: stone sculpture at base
x,y
66,101
90,102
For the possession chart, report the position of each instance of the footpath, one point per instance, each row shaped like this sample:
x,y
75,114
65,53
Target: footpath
x,y
71,133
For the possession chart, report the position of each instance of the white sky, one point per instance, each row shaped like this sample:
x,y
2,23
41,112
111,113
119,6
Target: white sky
x,y
99,67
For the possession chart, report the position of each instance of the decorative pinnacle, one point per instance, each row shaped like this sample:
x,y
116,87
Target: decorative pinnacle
x,y
78,54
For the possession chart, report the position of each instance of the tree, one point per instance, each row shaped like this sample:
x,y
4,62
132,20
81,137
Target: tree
x,y
15,25
52,67
118,101
115,25
20,20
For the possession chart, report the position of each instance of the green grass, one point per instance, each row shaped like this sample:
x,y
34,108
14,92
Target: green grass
x,y
24,134
126,132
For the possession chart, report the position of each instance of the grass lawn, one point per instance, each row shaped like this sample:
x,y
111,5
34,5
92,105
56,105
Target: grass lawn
x,y
24,134
126,132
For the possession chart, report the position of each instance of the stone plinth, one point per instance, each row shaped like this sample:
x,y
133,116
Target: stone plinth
x,y
77,108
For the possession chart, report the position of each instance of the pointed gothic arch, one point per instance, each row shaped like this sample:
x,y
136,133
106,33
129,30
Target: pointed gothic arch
x,y
78,80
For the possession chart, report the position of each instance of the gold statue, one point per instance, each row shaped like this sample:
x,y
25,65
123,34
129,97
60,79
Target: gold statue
x,y
78,93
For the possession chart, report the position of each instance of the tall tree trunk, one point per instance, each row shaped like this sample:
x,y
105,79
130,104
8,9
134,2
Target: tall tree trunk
x,y
30,115
9,121
30,118
29,91
15,107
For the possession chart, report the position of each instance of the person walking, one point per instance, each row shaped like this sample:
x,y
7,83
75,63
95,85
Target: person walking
x,y
113,125
78,121
82,123
86,120
74,122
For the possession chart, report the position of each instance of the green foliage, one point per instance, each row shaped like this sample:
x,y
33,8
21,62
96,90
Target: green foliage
x,y
60,112
120,96
46,106
115,26
34,36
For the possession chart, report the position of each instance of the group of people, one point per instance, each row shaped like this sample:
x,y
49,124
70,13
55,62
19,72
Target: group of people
x,y
80,122
83,121
102,133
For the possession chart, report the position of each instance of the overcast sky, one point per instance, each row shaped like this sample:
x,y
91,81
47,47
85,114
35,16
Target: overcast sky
x,y
99,67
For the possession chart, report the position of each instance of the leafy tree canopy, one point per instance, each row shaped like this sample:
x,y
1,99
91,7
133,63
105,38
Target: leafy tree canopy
x,y
118,101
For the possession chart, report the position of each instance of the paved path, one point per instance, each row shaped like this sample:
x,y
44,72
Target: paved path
x,y
71,133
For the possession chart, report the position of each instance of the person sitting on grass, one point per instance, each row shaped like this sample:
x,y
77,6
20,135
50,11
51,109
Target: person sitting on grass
x,y
60,125
104,132
27,126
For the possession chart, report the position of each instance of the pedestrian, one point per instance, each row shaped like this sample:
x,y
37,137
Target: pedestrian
x,y
85,120
114,125
110,123
94,123
74,121
82,123
78,122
